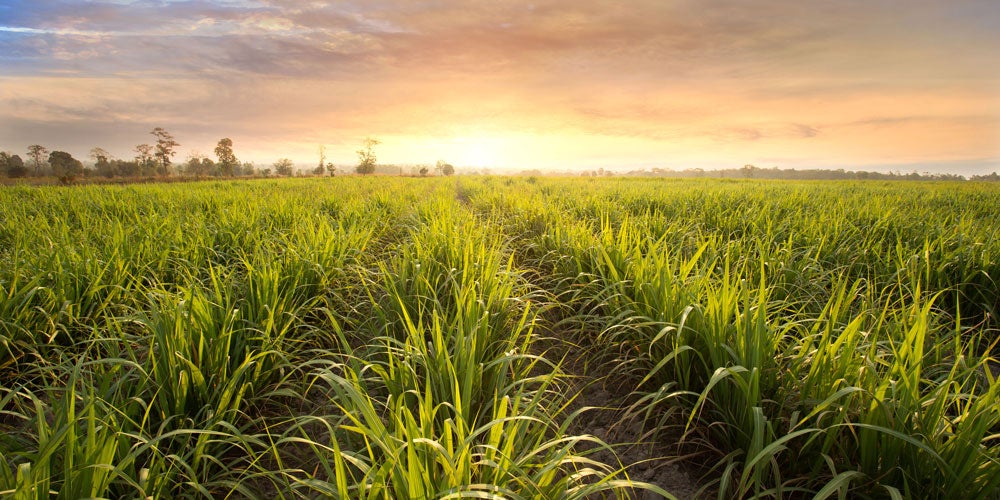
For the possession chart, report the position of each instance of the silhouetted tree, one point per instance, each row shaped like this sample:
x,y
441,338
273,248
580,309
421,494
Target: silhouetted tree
x,y
208,166
37,153
199,164
15,167
284,167
144,159
366,156
64,166
126,168
322,160
248,168
102,162
227,159
12,165
165,145
443,168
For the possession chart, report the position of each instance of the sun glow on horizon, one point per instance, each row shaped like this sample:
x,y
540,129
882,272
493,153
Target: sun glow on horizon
x,y
492,86
479,152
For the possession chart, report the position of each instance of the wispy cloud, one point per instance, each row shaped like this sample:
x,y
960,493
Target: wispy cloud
x,y
753,78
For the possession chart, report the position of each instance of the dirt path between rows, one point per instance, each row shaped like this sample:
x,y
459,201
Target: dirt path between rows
x,y
645,456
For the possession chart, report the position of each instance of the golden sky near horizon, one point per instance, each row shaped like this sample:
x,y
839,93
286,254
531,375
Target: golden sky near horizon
x,y
874,85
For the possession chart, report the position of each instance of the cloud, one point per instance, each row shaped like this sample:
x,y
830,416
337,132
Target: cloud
x,y
760,76
804,130
582,41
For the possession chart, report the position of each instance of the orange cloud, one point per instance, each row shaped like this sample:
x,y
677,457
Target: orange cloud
x,y
548,84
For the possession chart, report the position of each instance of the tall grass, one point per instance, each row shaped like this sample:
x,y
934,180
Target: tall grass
x,y
213,339
792,329
380,337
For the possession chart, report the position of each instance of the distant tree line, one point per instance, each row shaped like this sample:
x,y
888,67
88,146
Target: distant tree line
x,y
993,177
753,172
156,160
41,162
150,160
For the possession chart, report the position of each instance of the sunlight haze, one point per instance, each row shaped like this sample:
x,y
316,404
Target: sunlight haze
x,y
874,85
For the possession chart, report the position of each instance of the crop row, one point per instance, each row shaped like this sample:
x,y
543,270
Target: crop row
x,y
387,338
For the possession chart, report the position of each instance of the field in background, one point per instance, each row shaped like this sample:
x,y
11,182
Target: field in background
x,y
410,338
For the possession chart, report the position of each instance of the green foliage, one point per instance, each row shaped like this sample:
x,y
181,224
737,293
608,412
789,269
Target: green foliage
x,y
12,165
64,165
824,337
383,338
164,150
366,157
102,162
444,168
284,167
37,153
227,158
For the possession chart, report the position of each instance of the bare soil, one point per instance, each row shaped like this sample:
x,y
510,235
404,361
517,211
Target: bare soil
x,y
646,455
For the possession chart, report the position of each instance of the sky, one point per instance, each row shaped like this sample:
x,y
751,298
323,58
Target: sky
x,y
902,85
